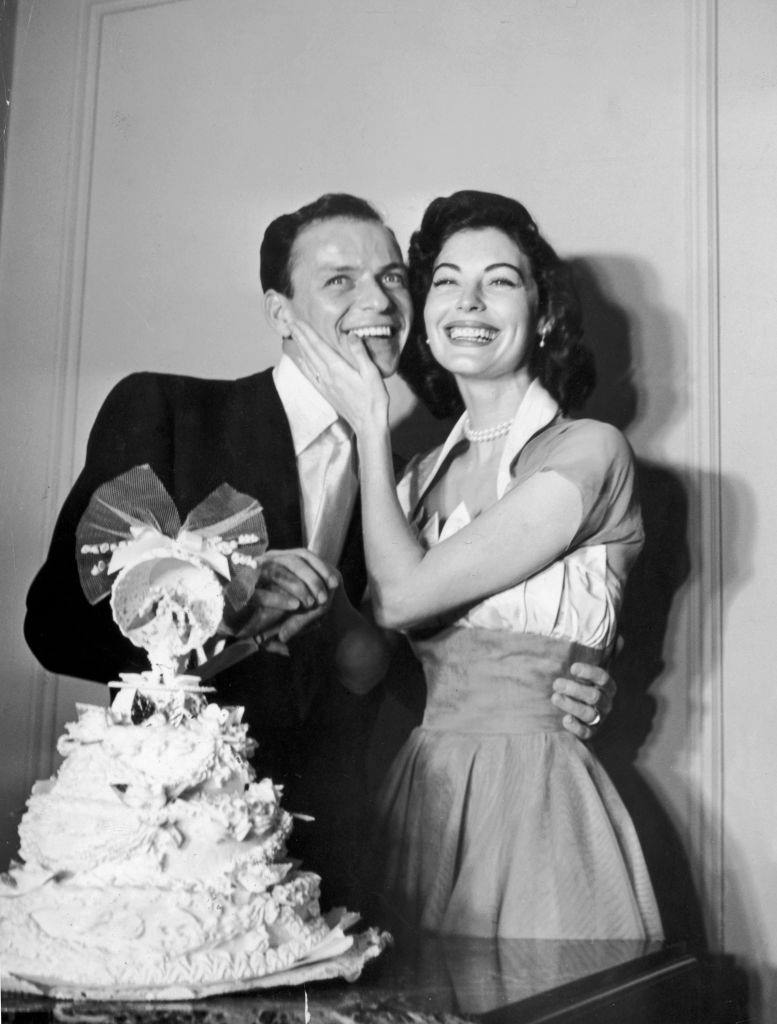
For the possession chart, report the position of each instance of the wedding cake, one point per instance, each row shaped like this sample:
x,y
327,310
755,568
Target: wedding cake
x,y
154,863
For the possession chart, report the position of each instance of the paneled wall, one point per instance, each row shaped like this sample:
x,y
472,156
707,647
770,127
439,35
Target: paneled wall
x,y
152,140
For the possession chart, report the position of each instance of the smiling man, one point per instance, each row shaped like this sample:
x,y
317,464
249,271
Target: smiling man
x,y
336,265
342,276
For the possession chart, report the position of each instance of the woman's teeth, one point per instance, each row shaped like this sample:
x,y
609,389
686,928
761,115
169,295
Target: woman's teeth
x,y
480,335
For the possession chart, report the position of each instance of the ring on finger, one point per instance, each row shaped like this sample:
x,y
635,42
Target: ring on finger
x,y
596,719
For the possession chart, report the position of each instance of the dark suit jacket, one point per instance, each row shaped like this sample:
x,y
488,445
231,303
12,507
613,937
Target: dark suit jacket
x,y
197,434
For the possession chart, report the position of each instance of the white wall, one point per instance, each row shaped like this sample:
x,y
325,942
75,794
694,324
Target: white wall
x,y
748,329
150,143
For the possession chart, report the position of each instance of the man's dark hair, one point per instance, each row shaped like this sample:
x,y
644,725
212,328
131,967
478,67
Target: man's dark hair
x,y
275,262
561,363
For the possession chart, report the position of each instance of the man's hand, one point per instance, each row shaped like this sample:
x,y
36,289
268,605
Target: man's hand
x,y
294,588
586,699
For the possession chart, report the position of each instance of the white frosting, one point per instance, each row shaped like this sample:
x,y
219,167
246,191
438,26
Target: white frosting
x,y
153,857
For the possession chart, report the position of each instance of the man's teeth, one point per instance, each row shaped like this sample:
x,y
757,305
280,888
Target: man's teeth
x,y
483,334
384,331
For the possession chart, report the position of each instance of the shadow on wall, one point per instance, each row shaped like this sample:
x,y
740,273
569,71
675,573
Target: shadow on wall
x,y
661,570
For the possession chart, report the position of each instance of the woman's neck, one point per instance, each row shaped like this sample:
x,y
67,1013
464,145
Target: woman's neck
x,y
491,402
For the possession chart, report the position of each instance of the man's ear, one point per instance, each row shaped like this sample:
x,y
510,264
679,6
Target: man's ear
x,y
277,312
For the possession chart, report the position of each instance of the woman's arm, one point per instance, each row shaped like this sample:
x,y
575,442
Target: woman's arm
x,y
515,538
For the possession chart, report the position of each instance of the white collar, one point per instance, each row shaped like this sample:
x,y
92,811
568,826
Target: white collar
x,y
308,412
537,410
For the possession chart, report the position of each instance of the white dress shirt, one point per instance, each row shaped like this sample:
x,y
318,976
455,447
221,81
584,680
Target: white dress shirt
x,y
323,445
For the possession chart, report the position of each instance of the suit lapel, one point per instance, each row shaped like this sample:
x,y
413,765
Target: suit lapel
x,y
266,447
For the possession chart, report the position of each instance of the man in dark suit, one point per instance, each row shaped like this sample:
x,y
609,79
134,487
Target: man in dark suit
x,y
336,265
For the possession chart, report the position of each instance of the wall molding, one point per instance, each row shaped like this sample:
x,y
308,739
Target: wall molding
x,y
73,234
705,692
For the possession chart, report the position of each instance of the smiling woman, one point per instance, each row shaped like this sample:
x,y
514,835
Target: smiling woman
x,y
504,558
481,311
554,355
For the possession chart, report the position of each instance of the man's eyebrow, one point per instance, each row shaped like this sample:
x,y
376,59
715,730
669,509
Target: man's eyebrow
x,y
334,268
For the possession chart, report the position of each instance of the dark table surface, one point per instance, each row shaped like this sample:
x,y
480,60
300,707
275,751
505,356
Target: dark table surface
x,y
517,981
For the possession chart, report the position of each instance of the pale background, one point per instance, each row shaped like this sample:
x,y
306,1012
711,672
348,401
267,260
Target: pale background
x,y
151,141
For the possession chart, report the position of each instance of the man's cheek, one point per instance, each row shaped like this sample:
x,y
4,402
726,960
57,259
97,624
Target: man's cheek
x,y
342,344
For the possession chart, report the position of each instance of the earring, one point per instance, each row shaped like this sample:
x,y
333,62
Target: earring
x,y
544,333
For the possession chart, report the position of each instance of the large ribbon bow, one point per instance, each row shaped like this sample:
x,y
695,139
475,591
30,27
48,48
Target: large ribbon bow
x,y
132,518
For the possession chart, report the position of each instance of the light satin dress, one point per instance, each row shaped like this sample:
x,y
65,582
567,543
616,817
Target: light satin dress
x,y
493,819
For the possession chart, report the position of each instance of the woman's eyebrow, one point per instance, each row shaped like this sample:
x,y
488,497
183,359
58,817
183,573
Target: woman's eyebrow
x,y
491,266
512,266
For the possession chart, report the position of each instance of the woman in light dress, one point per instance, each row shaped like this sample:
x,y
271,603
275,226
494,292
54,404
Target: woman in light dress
x,y
503,555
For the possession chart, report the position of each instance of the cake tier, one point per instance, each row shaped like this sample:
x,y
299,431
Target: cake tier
x,y
130,935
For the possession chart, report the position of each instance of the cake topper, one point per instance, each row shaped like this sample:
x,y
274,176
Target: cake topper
x,y
168,581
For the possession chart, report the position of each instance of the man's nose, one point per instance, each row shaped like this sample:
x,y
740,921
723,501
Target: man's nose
x,y
470,298
372,295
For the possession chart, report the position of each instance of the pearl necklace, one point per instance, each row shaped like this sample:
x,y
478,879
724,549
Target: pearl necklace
x,y
487,433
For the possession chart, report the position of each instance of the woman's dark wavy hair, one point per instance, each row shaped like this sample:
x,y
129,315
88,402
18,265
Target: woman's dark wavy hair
x,y
562,365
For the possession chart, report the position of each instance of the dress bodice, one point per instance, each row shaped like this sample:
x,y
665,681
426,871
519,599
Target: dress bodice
x,y
576,598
